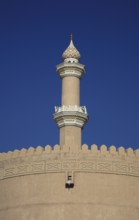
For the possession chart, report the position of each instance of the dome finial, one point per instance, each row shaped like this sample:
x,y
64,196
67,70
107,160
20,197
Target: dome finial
x,y
71,36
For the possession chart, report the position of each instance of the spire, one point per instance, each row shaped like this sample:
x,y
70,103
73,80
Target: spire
x,y
71,37
71,51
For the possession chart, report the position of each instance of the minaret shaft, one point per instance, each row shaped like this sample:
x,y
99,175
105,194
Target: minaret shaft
x,y
71,91
70,138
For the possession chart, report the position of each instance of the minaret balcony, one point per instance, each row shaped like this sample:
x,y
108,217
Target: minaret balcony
x,y
70,116
70,69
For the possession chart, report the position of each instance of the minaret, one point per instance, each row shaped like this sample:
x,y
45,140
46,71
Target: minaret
x,y
70,117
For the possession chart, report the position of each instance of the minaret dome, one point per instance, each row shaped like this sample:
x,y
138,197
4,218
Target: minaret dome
x,y
71,52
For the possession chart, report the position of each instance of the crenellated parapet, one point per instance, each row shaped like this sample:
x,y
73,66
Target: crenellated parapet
x,y
31,151
94,150
111,151
96,159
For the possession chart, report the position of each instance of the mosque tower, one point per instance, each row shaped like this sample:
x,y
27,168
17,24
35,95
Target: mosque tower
x,y
70,117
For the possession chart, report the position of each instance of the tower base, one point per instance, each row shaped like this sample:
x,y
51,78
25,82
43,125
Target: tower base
x,y
70,138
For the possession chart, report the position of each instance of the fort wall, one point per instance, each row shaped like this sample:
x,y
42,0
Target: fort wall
x,y
32,184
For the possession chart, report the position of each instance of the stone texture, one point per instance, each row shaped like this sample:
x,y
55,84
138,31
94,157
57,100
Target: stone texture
x,y
94,196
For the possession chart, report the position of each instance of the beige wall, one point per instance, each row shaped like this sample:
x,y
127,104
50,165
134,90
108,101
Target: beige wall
x,y
32,184
95,196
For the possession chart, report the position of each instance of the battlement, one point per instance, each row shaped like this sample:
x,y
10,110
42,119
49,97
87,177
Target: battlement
x,y
119,161
94,150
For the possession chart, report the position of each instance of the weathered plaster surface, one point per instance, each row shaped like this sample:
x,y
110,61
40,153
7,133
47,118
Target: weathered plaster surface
x,y
32,184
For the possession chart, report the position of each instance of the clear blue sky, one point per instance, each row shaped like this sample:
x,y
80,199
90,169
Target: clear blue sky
x,y
33,35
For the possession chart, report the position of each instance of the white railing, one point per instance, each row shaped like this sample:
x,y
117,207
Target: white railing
x,y
73,108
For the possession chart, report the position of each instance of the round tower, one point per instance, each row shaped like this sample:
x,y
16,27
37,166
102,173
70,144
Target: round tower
x,y
70,117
